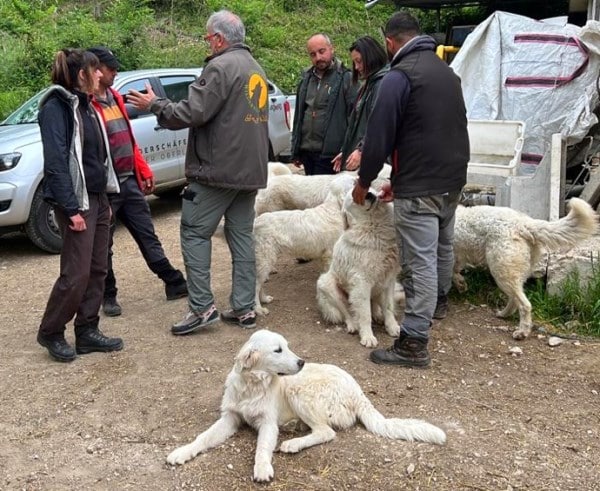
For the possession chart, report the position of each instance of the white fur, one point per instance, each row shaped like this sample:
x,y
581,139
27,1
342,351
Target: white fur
x,y
270,386
298,192
510,243
309,234
360,283
278,169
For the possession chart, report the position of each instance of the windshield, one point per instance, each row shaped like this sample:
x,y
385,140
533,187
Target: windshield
x,y
27,113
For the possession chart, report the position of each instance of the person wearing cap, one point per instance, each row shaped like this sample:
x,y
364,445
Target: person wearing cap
x,y
136,180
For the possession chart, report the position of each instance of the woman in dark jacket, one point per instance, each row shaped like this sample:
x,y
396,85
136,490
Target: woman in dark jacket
x,y
78,174
369,65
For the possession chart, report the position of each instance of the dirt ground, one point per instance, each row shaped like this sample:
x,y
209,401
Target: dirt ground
x,y
107,421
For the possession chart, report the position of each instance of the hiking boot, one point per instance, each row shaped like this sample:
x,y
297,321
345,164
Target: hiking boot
x,y
441,308
245,321
195,320
57,346
406,351
176,290
91,339
111,307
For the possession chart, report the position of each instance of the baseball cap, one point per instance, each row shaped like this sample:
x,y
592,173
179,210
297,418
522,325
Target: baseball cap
x,y
106,56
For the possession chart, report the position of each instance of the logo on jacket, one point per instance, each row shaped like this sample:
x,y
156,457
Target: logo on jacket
x,y
257,92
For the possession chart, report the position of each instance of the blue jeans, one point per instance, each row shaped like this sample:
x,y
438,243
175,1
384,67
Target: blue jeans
x,y
201,211
425,232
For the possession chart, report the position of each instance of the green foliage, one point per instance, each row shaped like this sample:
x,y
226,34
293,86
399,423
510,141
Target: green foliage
x,y
577,305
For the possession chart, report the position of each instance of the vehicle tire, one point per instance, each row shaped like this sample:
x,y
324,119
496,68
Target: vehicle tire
x,y
41,227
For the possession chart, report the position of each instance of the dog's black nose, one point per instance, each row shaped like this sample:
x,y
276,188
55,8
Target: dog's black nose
x,y
300,363
370,197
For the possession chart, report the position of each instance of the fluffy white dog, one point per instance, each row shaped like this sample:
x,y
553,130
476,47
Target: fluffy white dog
x,y
510,244
309,234
270,386
360,283
298,192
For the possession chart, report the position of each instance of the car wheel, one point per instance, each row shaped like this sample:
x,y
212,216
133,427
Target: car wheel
x,y
172,193
41,226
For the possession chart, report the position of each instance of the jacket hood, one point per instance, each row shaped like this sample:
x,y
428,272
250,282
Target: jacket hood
x,y
418,43
58,91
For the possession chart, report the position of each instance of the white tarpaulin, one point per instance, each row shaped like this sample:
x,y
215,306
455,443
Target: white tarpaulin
x,y
516,68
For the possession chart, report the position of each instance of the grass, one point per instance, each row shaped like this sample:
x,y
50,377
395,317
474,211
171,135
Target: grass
x,y
574,309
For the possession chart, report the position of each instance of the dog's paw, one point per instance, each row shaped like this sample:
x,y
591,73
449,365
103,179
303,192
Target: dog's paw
x,y
261,310
393,329
368,341
263,472
290,446
267,299
520,334
351,328
180,455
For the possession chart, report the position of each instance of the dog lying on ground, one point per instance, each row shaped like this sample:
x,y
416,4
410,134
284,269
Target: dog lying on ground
x,y
298,192
270,386
309,234
510,243
360,283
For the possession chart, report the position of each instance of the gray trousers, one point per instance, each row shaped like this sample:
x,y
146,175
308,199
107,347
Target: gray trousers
x,y
201,211
425,232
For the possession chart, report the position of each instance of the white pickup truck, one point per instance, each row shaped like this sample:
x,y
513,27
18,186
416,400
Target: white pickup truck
x,y
21,163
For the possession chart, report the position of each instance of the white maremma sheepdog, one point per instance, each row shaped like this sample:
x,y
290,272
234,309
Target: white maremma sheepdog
x,y
359,286
509,243
309,234
270,386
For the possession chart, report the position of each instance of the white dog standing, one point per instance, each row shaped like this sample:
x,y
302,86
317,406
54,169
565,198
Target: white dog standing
x,y
309,234
270,386
360,283
510,244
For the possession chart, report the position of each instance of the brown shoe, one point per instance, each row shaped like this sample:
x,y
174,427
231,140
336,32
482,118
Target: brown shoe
x,y
406,351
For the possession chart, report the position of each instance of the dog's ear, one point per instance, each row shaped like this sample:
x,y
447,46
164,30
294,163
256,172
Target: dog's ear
x,y
246,359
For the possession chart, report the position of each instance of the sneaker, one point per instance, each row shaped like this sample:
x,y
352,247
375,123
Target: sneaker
x,y
406,351
174,291
92,340
111,307
441,308
245,321
195,320
57,346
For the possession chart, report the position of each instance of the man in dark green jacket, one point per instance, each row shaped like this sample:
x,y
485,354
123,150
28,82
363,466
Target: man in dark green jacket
x,y
324,101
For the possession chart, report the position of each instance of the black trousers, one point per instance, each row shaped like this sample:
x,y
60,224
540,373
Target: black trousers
x,y
132,210
314,163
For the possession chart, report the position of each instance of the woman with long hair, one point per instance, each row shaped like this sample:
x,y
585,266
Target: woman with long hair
x,y
369,65
78,174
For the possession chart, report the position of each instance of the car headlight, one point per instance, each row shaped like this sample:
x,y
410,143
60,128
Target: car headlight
x,y
9,160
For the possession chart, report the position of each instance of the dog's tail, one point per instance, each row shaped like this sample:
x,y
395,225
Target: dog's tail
x,y
580,224
399,429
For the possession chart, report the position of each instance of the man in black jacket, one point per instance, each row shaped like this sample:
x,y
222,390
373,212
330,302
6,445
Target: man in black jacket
x,y
324,101
419,120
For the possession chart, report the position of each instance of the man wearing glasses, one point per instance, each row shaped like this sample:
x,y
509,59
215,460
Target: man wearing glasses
x,y
226,163
419,119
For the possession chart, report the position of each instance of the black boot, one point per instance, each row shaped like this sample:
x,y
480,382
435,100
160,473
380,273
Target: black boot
x,y
57,346
111,307
406,351
175,284
441,307
89,339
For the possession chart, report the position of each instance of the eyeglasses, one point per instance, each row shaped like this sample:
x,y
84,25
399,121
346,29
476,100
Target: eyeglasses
x,y
208,37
